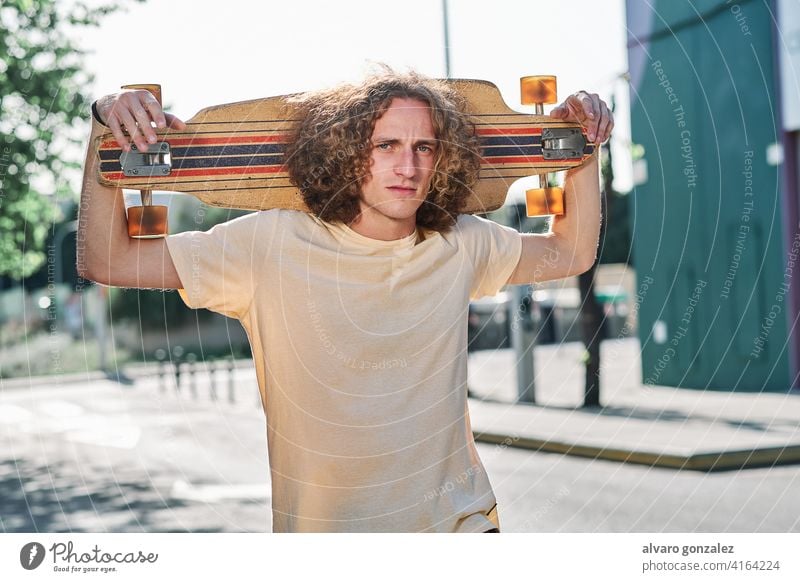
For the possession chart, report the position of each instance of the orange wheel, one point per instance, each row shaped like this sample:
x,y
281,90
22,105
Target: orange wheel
x,y
538,89
147,221
544,201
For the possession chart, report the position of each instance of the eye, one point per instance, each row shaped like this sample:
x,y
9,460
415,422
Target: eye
x,y
383,146
425,149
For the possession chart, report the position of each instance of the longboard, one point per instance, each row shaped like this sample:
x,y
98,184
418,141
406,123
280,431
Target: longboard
x,y
232,155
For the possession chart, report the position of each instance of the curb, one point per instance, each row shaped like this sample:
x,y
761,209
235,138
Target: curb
x,y
705,462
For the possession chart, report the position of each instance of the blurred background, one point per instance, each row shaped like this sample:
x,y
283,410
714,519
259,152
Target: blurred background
x,y
59,57
703,188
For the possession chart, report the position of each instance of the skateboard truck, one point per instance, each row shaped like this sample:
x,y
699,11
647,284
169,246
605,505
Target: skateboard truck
x,y
557,144
153,162
147,220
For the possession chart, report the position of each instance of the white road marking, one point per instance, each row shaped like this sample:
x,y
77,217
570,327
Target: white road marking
x,y
61,408
74,425
212,493
10,413
124,436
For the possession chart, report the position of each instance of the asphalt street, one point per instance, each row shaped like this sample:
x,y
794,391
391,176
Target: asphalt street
x,y
112,457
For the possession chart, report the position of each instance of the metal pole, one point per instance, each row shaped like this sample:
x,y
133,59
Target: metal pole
x,y
522,330
522,338
446,39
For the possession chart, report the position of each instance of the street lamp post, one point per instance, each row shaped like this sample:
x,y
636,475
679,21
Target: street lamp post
x,y
445,19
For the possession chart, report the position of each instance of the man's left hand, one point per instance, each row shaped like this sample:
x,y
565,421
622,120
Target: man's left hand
x,y
588,110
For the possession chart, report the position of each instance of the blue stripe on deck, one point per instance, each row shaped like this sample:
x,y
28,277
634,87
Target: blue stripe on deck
x,y
511,151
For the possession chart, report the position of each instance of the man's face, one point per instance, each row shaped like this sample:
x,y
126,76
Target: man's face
x,y
401,165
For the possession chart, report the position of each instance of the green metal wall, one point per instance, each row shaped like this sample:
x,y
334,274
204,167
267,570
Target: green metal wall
x,y
708,247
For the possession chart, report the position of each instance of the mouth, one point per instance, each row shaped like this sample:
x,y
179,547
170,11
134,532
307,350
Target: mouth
x,y
403,190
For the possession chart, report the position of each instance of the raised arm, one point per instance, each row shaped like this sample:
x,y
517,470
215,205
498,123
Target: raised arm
x,y
105,252
571,246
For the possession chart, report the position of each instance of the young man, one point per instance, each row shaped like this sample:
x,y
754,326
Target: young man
x,y
357,311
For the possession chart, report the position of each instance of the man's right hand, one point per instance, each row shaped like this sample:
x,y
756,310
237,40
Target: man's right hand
x,y
135,111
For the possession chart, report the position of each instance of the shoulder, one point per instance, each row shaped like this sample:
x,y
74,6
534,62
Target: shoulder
x,y
469,226
273,218
470,222
245,228
296,227
479,236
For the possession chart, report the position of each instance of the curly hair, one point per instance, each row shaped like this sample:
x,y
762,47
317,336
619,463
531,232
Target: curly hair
x,y
328,156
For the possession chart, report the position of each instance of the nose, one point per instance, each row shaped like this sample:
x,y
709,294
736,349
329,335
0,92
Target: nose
x,y
405,163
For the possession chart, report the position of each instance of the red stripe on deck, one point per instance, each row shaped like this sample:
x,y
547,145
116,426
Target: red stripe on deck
x,y
203,172
511,159
182,141
533,159
510,131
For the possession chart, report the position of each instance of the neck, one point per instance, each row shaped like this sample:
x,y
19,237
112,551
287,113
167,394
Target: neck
x,y
381,227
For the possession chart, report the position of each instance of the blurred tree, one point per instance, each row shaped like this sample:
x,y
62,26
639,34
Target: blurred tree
x,y
42,84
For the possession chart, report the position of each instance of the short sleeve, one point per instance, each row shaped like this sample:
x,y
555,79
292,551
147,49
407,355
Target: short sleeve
x,y
219,268
494,250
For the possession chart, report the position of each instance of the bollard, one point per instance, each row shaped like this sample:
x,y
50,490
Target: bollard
x,y
191,364
231,368
161,355
177,355
212,374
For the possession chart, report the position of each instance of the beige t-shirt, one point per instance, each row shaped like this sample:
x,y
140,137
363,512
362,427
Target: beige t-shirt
x,y
360,349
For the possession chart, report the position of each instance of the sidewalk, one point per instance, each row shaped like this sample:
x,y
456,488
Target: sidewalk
x,y
661,426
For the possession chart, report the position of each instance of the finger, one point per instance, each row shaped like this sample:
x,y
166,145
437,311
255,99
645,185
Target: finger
x,y
173,122
129,123
118,134
609,121
576,110
144,120
602,125
597,117
604,128
153,107
583,105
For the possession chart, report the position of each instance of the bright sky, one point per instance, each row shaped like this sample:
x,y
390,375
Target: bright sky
x,y
211,53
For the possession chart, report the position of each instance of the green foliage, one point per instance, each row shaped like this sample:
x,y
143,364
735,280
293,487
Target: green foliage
x,y
152,309
42,84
